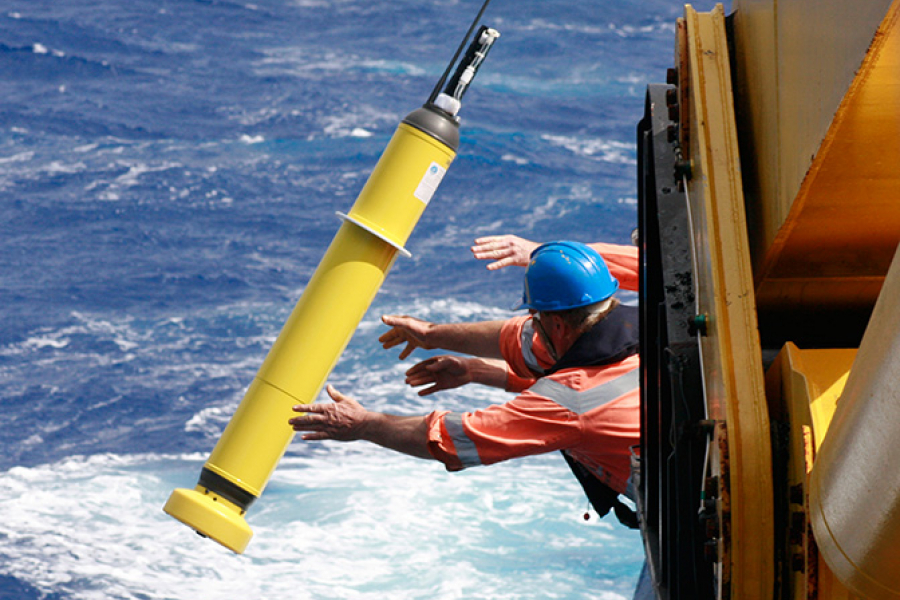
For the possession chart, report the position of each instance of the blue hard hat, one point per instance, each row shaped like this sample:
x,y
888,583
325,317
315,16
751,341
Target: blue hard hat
x,y
564,275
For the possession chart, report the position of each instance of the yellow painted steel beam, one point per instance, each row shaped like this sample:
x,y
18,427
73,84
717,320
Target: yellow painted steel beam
x,y
732,362
819,97
854,498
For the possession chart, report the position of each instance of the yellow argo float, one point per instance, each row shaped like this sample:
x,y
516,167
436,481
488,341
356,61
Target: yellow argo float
x,y
319,328
328,312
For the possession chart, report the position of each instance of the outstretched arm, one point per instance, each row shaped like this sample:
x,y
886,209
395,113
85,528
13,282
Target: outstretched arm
x,y
504,250
476,339
449,372
510,250
347,420
622,262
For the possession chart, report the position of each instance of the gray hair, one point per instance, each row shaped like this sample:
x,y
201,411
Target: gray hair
x,y
583,318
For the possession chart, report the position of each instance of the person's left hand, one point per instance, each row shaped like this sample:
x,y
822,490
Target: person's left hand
x,y
442,372
344,420
504,250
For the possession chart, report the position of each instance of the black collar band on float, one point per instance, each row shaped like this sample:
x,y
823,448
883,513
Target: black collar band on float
x,y
218,485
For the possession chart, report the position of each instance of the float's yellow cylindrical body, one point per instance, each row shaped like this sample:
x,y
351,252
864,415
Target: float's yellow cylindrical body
x,y
312,340
314,336
854,499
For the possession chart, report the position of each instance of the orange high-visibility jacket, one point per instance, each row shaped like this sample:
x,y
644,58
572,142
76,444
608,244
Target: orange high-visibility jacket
x,y
591,412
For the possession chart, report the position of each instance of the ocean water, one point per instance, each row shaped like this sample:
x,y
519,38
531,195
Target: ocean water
x,y
169,174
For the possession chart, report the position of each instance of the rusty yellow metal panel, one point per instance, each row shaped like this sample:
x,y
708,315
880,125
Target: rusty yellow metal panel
x,y
819,98
756,94
732,362
844,223
795,60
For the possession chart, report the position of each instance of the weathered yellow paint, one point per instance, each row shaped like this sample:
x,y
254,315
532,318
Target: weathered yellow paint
x,y
733,372
854,497
802,387
819,94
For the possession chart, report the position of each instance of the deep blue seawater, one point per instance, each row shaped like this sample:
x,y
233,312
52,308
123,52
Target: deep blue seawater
x,y
169,174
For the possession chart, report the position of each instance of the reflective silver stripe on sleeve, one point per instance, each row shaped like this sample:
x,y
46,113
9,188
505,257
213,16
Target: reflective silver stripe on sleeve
x,y
465,448
527,351
582,402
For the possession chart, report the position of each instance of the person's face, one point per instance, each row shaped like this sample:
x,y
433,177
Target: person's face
x,y
539,319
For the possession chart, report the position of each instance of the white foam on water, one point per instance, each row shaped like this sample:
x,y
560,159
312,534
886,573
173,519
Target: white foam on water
x,y
664,26
349,521
439,310
20,157
357,121
252,139
611,151
336,520
515,159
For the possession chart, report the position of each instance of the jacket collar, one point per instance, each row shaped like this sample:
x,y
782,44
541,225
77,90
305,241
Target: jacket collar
x,y
613,339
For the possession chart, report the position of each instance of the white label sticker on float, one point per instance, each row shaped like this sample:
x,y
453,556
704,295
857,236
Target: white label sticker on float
x,y
430,182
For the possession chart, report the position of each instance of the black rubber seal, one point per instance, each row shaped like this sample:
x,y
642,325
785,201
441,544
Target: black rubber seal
x,y
220,486
435,122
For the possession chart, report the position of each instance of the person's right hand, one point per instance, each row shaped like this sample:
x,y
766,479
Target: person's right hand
x,y
408,330
343,420
504,250
442,372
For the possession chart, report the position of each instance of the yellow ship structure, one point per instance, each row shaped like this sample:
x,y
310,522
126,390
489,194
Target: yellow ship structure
x,y
769,184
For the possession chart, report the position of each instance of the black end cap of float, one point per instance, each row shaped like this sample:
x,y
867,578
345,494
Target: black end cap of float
x,y
435,122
